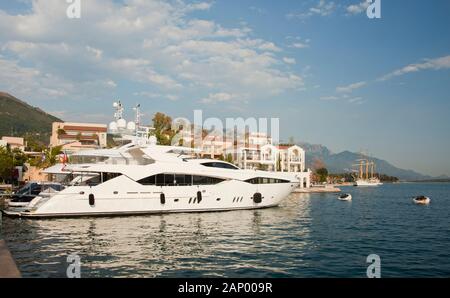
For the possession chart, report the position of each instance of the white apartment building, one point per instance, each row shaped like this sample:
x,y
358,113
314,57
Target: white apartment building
x,y
255,151
284,158
215,146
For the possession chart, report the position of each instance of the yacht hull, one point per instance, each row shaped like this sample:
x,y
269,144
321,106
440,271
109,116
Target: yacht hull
x,y
106,201
364,183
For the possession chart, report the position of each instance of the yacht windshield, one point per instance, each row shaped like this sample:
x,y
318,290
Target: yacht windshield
x,y
221,165
89,159
134,158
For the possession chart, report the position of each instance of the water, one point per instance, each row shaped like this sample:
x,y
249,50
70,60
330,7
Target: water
x,y
308,235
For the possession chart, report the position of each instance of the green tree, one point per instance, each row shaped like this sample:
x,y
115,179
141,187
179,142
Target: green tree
x,y
6,163
34,144
10,159
323,174
163,132
51,157
60,131
230,158
18,157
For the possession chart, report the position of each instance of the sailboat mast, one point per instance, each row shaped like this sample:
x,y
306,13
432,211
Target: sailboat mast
x,y
367,169
360,174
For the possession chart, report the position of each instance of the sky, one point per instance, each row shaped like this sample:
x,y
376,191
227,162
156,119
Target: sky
x,y
330,74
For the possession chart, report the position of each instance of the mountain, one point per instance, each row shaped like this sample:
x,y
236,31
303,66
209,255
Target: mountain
x,y
19,118
342,162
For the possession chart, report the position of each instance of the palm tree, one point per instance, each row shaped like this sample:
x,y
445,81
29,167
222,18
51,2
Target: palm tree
x,y
51,156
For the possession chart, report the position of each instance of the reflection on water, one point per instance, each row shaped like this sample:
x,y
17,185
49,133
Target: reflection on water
x,y
308,235
184,244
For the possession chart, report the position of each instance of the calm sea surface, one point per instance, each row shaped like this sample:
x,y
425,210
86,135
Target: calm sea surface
x,y
308,235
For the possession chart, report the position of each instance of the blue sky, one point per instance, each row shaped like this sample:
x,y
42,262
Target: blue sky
x,y
332,75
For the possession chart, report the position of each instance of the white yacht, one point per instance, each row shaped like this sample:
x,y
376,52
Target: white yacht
x,y
143,179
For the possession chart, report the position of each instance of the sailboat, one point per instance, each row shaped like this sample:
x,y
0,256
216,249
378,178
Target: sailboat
x,y
366,175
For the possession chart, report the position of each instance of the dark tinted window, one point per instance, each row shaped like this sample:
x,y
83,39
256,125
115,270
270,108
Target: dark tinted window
x,y
36,189
160,179
215,164
264,180
169,179
204,180
151,180
109,176
178,179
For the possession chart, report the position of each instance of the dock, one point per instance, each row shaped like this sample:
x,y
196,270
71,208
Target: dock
x,y
8,268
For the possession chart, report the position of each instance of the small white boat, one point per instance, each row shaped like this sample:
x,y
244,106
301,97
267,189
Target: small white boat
x,y
422,200
345,197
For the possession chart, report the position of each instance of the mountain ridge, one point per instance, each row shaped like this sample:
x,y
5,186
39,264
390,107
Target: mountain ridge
x,y
342,162
19,118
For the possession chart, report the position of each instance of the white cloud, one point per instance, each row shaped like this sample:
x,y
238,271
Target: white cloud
x,y
289,60
322,8
151,43
152,95
269,46
298,42
300,45
172,97
350,88
25,82
357,8
356,100
218,97
329,97
343,97
428,64
258,10
199,6
111,83
96,52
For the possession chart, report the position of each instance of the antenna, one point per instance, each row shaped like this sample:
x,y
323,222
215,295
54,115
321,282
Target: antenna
x,y
119,110
137,109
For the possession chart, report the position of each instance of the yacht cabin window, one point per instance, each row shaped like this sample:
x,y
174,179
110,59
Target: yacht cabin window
x,y
167,179
222,165
264,180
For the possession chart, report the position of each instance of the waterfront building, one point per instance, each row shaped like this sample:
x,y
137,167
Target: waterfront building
x,y
13,143
260,153
216,146
74,137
